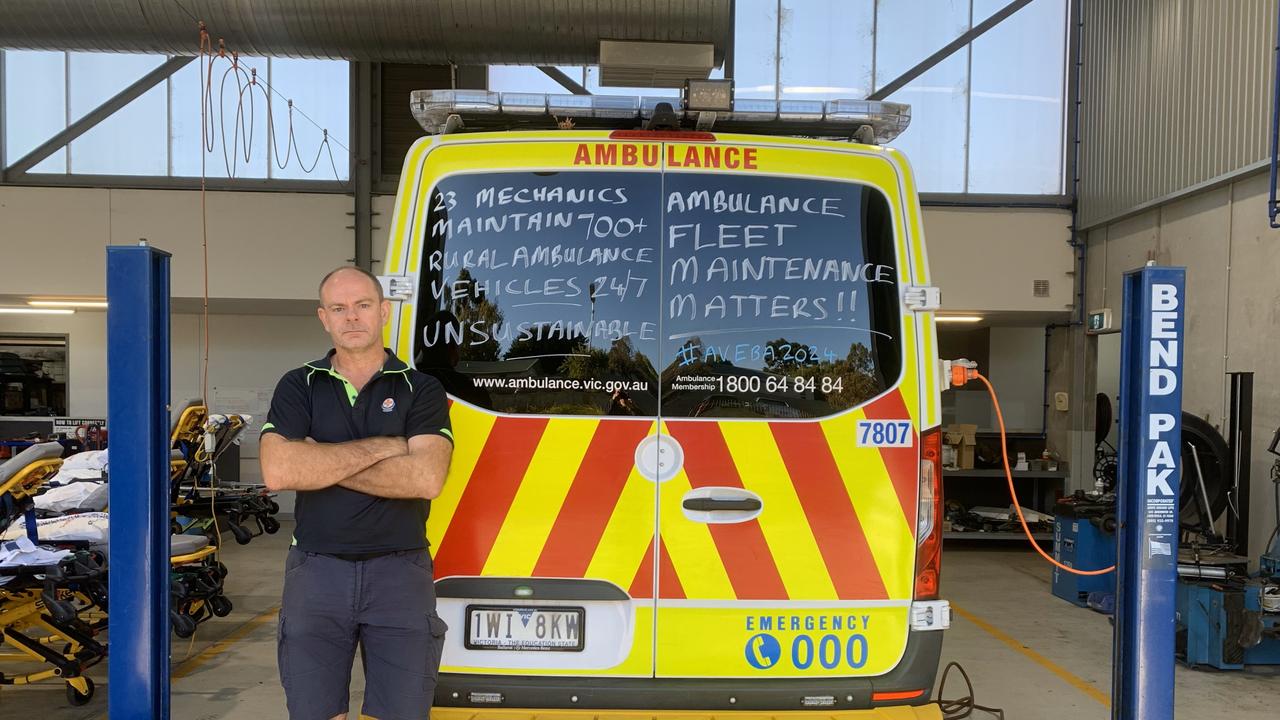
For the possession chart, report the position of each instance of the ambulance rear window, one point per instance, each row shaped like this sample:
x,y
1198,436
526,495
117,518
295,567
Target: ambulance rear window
x,y
780,296
633,292
538,291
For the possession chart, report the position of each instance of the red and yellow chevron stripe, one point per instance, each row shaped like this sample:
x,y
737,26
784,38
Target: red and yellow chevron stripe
x,y
561,497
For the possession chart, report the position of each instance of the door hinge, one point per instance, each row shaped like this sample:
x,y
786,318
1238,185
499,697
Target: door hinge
x,y
397,287
922,298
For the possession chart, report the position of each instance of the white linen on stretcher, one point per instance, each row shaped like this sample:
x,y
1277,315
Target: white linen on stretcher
x,y
21,552
68,497
93,528
89,465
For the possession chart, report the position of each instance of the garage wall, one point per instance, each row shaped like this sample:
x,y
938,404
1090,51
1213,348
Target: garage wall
x,y
261,245
987,259
1233,307
1174,93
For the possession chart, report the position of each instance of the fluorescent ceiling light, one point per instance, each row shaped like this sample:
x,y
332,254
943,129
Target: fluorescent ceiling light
x,y
958,318
35,311
68,303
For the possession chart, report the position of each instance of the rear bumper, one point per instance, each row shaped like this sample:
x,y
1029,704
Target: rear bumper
x,y
916,671
927,712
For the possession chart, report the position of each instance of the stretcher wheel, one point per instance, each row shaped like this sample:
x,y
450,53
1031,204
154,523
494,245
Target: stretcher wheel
x,y
270,525
273,506
222,569
61,612
220,605
75,697
242,535
183,625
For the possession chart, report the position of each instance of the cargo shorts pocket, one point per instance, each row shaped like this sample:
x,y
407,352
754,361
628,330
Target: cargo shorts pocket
x,y
422,560
282,657
294,561
435,648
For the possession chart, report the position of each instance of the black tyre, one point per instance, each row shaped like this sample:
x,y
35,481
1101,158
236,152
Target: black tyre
x,y
220,605
75,697
1214,465
183,625
242,535
270,525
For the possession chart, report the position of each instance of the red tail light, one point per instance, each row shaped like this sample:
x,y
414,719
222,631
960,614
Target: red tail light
x,y
896,695
929,520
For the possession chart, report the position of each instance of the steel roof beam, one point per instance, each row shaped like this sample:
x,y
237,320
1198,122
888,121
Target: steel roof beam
x,y
95,116
948,50
567,82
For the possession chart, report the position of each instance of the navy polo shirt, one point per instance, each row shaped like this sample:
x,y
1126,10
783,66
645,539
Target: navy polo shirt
x,y
316,401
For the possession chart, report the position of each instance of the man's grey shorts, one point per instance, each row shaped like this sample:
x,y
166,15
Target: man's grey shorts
x,y
387,606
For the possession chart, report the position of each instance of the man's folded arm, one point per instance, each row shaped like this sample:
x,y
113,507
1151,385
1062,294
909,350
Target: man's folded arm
x,y
308,465
419,474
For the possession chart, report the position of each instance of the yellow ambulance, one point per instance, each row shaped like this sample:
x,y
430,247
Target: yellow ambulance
x,y
695,396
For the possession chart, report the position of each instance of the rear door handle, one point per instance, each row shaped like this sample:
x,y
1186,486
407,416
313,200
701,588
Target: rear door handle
x,y
721,505
706,504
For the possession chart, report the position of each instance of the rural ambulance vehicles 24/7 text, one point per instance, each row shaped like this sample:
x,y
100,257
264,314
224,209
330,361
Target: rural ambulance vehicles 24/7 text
x,y
695,397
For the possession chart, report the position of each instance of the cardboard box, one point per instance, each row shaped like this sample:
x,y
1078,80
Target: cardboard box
x,y
964,439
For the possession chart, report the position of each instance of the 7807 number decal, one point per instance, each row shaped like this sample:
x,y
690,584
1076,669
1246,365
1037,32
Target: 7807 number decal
x,y
884,433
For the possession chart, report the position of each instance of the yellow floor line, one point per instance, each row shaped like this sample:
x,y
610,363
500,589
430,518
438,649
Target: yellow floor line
x,y
1075,681
223,645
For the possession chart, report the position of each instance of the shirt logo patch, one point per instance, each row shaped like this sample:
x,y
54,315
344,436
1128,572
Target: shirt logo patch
x,y
388,405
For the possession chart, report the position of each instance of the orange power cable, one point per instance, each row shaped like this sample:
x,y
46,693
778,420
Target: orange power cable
x,y
1008,474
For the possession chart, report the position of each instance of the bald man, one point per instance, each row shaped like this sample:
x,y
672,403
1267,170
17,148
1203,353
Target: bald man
x,y
365,442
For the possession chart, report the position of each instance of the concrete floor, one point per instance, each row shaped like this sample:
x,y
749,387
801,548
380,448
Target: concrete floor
x,y
1027,652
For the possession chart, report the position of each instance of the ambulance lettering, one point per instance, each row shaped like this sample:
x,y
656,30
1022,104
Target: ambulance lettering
x,y
828,640
712,157
620,154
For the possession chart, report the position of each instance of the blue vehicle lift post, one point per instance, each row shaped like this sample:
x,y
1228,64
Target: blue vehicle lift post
x,y
138,415
1150,455
1273,207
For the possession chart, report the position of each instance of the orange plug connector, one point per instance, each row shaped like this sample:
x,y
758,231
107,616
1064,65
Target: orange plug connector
x,y
956,373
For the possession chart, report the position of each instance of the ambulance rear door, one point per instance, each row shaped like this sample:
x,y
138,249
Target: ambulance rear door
x,y
537,307
790,404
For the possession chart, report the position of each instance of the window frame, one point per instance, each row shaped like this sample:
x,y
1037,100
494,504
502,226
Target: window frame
x,y
66,347
266,183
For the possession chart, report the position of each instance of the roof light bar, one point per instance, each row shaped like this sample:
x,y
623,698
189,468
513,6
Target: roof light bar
x,y
479,110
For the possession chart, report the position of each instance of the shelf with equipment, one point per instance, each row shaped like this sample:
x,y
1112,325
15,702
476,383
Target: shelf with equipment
x,y
1037,490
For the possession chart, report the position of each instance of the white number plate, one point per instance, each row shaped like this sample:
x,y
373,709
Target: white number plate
x,y
885,433
524,628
